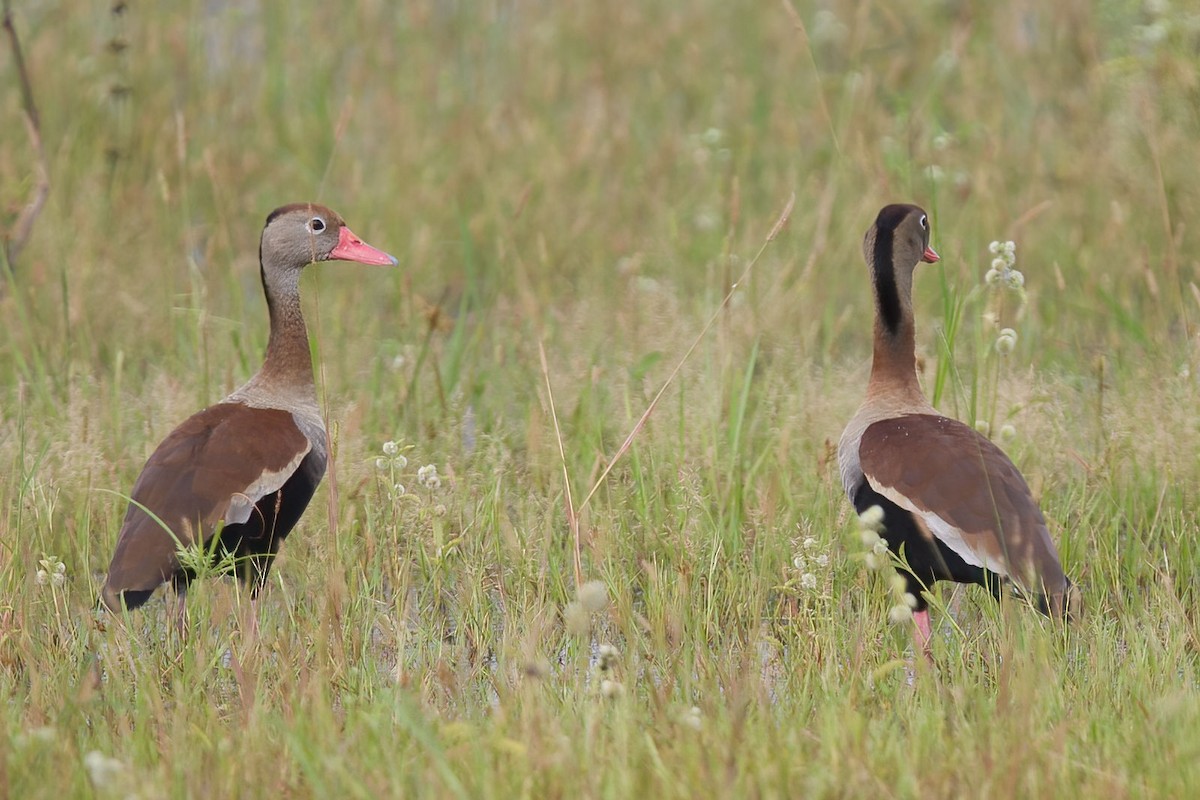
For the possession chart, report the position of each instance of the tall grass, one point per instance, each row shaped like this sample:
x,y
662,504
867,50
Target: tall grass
x,y
593,177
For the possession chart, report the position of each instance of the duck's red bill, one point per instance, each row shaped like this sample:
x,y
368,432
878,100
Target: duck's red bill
x,y
930,255
352,248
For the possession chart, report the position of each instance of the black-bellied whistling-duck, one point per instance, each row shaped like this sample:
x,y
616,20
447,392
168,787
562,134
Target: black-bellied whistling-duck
x,y
953,504
249,464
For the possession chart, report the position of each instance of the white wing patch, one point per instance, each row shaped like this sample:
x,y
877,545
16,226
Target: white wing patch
x,y
947,534
241,505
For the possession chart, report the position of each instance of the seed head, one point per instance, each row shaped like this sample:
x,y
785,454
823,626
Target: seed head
x,y
1006,341
611,690
872,518
593,596
607,657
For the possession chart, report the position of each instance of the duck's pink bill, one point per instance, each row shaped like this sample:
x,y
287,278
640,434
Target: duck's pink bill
x,y
352,248
930,255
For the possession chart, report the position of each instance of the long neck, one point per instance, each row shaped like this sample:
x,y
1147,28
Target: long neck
x,y
287,370
894,364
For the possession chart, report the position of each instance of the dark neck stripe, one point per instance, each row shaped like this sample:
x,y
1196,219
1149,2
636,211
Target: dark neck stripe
x,y
886,293
262,274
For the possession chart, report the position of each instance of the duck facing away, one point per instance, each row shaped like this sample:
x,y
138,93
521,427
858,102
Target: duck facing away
x,y
244,469
954,505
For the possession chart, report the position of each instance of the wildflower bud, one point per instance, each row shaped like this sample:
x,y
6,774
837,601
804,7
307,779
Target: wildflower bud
x,y
899,584
104,771
798,563
808,581
900,614
692,718
1006,341
982,426
576,619
880,548
400,461
439,510
873,561
381,463
607,657
809,543
1010,248
42,577
868,537
910,600
593,596
390,448
872,518
999,264
1015,279
994,248
611,690
399,488
822,560
1007,433
992,277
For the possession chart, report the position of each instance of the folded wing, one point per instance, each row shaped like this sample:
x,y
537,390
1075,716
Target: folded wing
x,y
212,469
967,493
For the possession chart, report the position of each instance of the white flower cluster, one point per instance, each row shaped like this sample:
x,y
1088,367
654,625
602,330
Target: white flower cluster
x,y
870,524
870,527
428,477
53,572
1006,341
591,598
1002,272
807,562
607,659
902,611
709,146
393,461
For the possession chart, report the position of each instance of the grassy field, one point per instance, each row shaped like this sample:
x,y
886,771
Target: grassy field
x,y
591,178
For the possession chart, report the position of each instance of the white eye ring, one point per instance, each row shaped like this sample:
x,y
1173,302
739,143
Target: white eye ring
x,y
923,222
316,225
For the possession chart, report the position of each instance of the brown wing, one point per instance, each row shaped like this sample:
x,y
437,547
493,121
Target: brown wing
x,y
212,468
966,491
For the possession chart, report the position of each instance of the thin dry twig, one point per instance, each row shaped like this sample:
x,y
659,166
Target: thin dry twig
x,y
798,23
572,517
18,235
625,445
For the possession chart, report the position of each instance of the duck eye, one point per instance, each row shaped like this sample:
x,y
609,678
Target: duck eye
x,y
316,225
924,223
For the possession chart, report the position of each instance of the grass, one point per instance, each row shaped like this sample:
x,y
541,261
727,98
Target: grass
x,y
591,178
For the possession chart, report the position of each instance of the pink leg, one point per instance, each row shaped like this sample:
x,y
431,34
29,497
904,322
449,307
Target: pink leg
x,y
922,634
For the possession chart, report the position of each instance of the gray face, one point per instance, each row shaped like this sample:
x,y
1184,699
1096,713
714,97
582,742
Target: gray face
x,y
297,235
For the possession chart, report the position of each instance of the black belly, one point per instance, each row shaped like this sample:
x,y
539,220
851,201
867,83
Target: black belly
x,y
255,542
928,559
